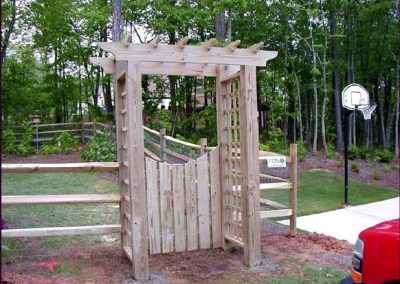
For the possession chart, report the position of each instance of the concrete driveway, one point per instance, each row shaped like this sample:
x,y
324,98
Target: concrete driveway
x,y
347,223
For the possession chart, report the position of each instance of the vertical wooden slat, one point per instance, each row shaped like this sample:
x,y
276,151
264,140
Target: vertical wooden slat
x,y
293,191
203,202
249,167
153,210
222,129
167,232
215,199
140,252
191,206
179,207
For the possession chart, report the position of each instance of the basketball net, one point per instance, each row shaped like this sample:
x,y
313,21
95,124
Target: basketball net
x,y
367,112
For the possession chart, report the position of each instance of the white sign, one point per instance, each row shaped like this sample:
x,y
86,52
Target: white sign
x,y
276,162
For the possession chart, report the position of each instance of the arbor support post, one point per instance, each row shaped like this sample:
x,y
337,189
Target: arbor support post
x,y
250,169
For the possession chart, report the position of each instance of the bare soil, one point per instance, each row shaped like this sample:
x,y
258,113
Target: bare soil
x,y
390,176
104,263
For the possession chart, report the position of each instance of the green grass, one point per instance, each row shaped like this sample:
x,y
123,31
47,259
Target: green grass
x,y
311,274
321,191
59,215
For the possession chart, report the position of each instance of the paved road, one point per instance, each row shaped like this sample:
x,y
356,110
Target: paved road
x,y
347,223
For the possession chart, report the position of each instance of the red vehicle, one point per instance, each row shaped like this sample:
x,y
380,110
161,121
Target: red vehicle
x,y
376,256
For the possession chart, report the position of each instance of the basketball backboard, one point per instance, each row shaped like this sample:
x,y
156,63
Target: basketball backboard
x,y
355,96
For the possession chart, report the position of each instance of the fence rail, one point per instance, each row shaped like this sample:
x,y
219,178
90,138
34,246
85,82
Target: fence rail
x,y
60,199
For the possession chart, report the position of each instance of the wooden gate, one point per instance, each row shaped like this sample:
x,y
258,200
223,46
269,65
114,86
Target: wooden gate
x,y
184,204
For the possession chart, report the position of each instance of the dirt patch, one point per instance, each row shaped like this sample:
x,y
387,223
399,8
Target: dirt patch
x,y
72,157
104,263
390,175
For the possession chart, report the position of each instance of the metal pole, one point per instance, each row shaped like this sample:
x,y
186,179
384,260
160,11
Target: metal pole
x,y
346,167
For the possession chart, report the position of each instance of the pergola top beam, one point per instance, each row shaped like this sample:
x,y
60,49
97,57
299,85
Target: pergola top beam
x,y
190,54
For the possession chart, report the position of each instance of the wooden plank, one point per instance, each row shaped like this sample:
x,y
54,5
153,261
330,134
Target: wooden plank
x,y
191,54
249,167
107,64
230,77
234,241
137,187
153,210
203,194
61,167
276,185
276,213
61,231
178,69
179,207
59,131
191,206
166,205
152,155
58,124
179,156
60,199
271,203
128,252
293,192
215,188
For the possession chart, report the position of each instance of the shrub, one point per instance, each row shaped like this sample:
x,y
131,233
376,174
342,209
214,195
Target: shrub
x,y
356,167
66,142
352,152
384,156
24,147
331,153
377,175
301,151
365,153
49,149
386,167
8,142
100,149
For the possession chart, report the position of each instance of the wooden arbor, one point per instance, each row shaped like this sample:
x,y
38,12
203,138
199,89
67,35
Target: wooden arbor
x,y
236,91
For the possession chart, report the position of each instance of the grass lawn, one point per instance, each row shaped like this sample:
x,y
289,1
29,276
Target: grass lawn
x,y
321,191
58,215
310,274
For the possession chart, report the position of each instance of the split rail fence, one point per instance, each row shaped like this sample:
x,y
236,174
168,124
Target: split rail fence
x,y
60,199
183,200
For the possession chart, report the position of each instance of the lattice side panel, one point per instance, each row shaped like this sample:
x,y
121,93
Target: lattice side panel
x,y
123,153
233,159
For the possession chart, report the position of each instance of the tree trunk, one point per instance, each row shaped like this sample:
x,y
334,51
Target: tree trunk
x,y
381,124
325,91
336,83
229,28
7,34
117,21
220,26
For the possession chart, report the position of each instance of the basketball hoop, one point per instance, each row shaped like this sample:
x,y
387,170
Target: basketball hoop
x,y
354,97
367,112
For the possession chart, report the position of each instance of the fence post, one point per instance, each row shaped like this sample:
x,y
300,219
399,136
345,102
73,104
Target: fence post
x,y
293,192
94,128
203,145
163,145
82,132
